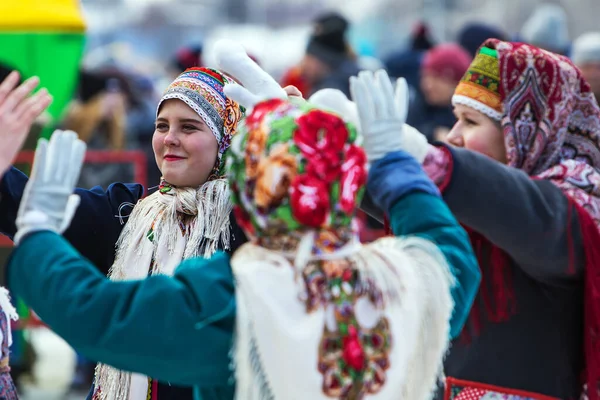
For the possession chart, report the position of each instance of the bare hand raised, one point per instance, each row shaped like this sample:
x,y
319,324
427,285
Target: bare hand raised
x,y
18,112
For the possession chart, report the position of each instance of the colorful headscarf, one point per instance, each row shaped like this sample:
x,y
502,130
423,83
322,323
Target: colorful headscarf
x,y
176,223
202,90
551,121
317,312
295,169
479,86
550,118
449,61
551,129
551,125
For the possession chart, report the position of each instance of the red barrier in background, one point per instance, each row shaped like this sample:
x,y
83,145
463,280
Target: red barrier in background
x,y
135,157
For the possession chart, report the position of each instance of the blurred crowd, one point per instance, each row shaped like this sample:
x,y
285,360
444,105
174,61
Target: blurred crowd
x,y
113,108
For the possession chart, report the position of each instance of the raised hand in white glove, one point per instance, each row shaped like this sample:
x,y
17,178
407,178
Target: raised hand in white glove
x,y
257,84
382,115
48,201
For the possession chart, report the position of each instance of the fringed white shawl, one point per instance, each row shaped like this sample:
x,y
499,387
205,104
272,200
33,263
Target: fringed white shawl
x,y
155,240
10,313
276,351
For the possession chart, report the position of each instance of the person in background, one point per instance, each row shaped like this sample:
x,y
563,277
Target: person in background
x,y
421,38
98,113
293,77
586,55
547,28
431,110
521,171
329,60
186,57
407,63
473,34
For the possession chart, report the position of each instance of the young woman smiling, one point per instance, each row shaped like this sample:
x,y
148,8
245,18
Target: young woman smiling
x,y
188,216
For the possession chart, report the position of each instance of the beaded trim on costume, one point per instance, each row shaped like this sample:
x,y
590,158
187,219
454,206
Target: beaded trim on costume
x,y
457,389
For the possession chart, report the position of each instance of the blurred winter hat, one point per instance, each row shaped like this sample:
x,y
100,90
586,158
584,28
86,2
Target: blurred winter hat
x,y
586,48
472,36
447,60
547,29
188,57
328,39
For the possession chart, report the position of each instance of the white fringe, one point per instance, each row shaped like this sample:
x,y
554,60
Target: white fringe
x,y
9,310
427,365
6,305
251,382
378,263
209,206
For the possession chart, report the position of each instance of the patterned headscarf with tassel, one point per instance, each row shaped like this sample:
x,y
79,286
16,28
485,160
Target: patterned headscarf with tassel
x,y
176,223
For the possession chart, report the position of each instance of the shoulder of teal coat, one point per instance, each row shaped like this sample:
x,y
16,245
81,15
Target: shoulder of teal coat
x,y
177,329
427,216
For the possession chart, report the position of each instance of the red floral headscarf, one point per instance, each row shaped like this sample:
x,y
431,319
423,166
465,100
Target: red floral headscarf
x,y
294,169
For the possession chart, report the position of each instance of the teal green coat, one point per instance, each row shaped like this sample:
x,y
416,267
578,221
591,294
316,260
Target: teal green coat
x,y
179,329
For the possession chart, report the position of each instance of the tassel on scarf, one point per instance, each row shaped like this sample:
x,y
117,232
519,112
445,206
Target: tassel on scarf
x,y
496,297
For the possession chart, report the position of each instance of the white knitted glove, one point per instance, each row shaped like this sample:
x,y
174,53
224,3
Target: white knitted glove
x,y
382,113
48,201
257,84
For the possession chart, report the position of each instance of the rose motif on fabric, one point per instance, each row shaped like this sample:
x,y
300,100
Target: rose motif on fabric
x,y
353,359
296,167
261,110
352,350
309,199
354,176
325,165
320,131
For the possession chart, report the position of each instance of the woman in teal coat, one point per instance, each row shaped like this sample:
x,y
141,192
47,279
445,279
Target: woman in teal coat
x,y
298,206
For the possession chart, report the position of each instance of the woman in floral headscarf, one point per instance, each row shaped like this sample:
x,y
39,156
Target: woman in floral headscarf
x,y
188,216
523,174
316,314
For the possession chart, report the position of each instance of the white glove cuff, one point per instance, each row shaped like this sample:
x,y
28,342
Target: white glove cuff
x,y
32,218
414,143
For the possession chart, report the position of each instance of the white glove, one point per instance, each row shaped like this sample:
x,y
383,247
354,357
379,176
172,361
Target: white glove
x,y
257,84
48,201
383,114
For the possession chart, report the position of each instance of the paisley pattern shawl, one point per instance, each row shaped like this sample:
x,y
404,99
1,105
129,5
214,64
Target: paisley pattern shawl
x,y
551,127
551,121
